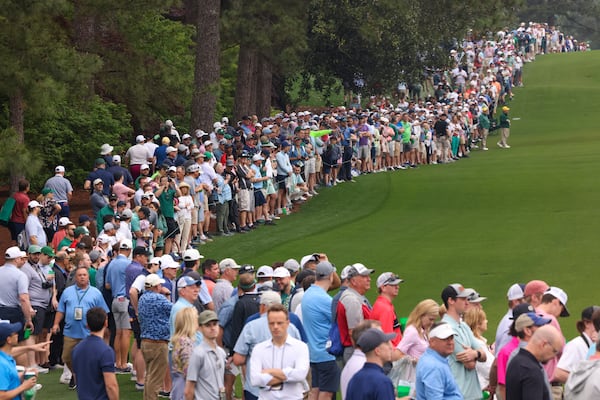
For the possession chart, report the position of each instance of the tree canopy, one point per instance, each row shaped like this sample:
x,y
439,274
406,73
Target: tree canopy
x,y
78,73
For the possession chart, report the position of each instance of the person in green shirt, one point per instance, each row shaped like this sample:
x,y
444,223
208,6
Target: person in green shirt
x,y
504,128
408,156
166,193
108,209
68,239
484,126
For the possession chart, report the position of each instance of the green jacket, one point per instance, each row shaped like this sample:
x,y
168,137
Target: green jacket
x,y
504,120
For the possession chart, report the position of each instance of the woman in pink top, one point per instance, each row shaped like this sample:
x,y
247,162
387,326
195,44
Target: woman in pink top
x,y
124,193
416,335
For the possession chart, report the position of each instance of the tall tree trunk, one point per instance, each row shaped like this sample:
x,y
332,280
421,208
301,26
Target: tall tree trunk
x,y
207,68
246,83
264,87
84,32
16,118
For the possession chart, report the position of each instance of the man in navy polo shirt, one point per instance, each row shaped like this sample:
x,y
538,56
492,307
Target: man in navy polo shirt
x,y
94,361
371,382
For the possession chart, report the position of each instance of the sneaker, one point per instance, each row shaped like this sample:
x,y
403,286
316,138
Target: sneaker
x,y
139,386
506,146
275,217
41,370
500,145
126,370
65,379
164,395
314,192
484,148
72,384
269,222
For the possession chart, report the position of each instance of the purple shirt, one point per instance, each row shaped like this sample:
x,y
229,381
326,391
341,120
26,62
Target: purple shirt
x,y
132,271
363,140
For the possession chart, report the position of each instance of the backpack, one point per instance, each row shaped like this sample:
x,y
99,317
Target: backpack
x,y
334,344
6,211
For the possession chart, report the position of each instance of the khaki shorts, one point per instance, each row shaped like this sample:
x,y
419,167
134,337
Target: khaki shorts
x,y
194,215
68,346
397,149
318,164
244,200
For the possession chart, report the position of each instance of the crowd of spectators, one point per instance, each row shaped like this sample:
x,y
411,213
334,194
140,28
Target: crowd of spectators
x,y
132,266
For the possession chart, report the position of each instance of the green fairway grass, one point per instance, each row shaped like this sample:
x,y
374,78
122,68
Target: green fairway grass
x,y
499,217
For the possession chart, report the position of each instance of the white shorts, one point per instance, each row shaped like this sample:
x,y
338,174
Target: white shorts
x,y
310,166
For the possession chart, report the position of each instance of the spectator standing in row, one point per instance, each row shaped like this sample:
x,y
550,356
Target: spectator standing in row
x,y
383,308
525,378
16,223
94,361
206,368
434,378
371,382
154,311
15,305
316,313
466,348
137,155
62,189
73,306
274,369
34,231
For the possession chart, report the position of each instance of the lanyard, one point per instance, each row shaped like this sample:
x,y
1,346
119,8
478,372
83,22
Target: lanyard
x,y
79,298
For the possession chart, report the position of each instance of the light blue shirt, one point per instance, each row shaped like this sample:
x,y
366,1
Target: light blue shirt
x,y
434,379
316,317
283,163
253,333
115,276
466,379
180,304
73,298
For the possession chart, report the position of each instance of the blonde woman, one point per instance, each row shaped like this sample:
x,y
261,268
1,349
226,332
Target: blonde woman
x,y
477,321
415,339
182,342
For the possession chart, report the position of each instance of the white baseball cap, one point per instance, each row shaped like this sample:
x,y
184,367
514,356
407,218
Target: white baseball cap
x,y
33,204
442,331
515,292
59,168
125,244
561,296
281,272
264,272
153,280
14,252
140,139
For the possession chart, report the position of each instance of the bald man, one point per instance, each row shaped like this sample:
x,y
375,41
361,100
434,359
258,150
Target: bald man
x,y
525,377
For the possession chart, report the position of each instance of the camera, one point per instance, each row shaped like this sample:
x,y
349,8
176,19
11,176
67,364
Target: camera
x,y
47,285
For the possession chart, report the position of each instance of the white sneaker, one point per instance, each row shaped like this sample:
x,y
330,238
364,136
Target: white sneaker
x,y
484,149
65,378
41,370
506,146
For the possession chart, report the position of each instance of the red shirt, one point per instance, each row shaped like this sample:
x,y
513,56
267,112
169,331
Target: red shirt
x,y
383,311
342,322
21,202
